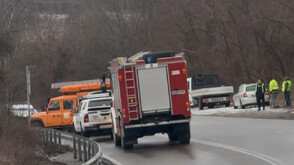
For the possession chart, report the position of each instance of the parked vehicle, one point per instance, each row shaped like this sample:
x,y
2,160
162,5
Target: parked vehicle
x,y
93,115
205,90
60,110
22,110
246,96
150,96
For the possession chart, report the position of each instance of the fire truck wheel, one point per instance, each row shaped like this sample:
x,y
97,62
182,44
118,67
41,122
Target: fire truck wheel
x,y
184,138
172,137
126,146
116,139
200,104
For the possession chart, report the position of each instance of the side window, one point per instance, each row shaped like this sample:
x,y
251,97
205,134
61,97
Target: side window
x,y
68,104
84,106
54,106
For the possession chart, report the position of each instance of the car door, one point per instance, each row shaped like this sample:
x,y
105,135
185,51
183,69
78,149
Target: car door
x,y
54,114
78,117
238,96
67,115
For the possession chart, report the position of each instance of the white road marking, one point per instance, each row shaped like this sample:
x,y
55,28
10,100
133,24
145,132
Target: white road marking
x,y
268,159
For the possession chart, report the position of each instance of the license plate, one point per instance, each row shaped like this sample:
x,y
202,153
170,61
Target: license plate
x,y
106,126
95,117
216,99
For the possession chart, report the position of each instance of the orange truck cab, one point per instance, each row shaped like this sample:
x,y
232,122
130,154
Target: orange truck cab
x,y
61,110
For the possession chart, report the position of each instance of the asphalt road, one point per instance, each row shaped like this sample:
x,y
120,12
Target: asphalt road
x,y
215,140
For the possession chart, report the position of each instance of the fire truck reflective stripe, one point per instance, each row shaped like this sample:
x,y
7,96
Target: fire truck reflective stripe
x,y
155,124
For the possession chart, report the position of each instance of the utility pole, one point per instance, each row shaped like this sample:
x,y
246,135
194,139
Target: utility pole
x,y
28,93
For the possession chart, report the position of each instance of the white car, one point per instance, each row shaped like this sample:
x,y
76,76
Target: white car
x,y
246,96
93,116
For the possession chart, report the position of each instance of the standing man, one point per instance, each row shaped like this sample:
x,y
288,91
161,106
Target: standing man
x,y
273,88
286,88
103,84
259,91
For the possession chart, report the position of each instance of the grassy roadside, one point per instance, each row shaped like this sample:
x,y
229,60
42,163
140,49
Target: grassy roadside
x,y
19,144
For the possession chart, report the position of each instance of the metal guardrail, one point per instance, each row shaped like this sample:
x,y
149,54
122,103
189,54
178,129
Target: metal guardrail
x,y
84,149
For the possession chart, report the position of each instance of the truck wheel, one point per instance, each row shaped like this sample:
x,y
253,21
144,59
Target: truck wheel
x,y
172,137
126,146
84,133
227,104
116,139
184,138
211,105
200,104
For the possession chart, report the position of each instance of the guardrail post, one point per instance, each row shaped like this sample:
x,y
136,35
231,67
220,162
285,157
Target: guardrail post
x,y
85,150
51,137
44,136
93,150
80,149
74,147
59,140
46,132
55,139
89,150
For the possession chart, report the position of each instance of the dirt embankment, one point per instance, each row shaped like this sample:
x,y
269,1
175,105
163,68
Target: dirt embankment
x,y
19,144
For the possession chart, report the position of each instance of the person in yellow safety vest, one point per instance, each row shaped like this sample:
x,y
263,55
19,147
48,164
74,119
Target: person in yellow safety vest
x,y
273,88
259,92
286,88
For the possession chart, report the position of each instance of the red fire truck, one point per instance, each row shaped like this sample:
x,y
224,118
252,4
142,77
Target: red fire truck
x,y
150,96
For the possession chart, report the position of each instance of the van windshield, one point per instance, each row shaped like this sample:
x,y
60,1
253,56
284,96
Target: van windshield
x,y
100,103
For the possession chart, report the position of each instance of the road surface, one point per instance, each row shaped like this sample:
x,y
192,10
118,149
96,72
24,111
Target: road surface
x,y
215,140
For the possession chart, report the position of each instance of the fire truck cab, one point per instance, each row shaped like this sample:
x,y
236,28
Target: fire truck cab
x,y
150,96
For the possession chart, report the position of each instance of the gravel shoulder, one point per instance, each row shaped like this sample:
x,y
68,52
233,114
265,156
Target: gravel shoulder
x,y
279,113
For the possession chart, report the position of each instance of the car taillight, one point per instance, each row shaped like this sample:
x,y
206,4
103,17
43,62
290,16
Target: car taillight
x,y
188,105
245,95
111,104
205,101
86,118
229,98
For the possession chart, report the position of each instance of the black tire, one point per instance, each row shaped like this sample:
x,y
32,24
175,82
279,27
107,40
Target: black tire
x,y
36,124
241,105
126,146
84,133
211,106
116,139
228,104
172,137
200,104
123,139
184,138
234,106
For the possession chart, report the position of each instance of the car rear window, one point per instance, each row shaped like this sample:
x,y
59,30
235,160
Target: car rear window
x,y
250,88
99,103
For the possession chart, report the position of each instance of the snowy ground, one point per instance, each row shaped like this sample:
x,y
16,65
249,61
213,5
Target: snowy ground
x,y
251,112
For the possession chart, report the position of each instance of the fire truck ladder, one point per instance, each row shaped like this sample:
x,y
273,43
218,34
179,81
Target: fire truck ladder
x,y
132,105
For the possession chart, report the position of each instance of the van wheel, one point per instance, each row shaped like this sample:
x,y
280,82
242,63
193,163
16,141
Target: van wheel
x,y
84,133
36,124
184,138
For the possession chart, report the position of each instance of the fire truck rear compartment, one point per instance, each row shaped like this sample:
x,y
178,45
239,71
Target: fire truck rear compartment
x,y
154,90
